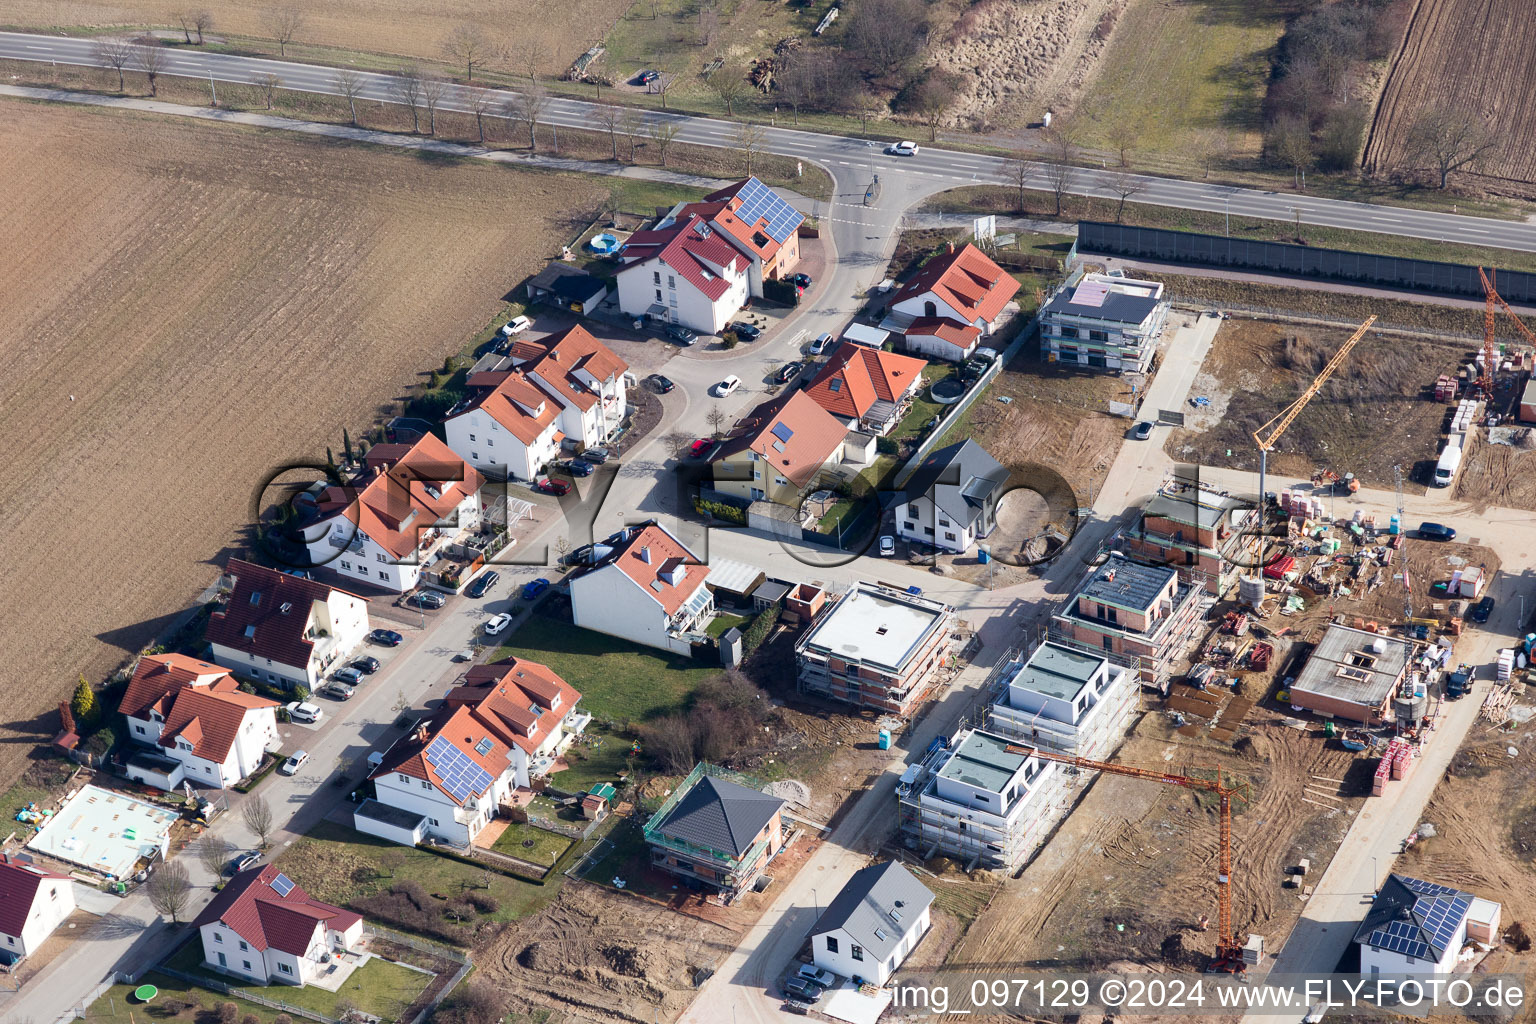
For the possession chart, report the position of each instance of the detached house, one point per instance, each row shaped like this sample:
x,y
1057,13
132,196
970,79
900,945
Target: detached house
x,y
649,588
951,500
866,388
389,524
33,902
877,648
1197,531
526,706
196,715
284,630
949,305
779,449
1418,927
757,222
686,273
873,924
263,926
716,833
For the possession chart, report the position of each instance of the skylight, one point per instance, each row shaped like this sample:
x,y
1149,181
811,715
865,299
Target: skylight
x,y
483,747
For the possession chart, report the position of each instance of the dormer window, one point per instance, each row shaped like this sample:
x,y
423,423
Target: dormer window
x,y
287,607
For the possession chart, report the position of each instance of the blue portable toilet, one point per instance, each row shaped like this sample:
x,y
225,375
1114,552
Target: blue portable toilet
x,y
885,739
1395,527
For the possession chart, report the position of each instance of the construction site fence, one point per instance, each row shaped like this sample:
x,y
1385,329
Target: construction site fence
x,y
1299,260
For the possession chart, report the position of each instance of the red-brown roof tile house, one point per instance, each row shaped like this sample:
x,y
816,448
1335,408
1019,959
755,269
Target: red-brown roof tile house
x,y
33,902
780,448
964,287
758,222
686,273
387,525
868,389
195,713
284,630
649,589
265,927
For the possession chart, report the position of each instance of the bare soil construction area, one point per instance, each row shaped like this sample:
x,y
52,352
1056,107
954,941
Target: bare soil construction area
x,y
407,28
1472,57
187,306
1376,412
1501,474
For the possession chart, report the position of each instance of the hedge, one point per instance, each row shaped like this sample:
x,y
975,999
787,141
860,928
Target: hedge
x,y
758,631
722,510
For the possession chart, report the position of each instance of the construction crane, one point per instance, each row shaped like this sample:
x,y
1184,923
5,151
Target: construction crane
x,y
1282,420
1490,349
1229,955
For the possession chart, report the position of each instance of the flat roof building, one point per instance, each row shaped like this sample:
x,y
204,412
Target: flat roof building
x,y
877,648
106,832
1065,700
1103,322
1353,674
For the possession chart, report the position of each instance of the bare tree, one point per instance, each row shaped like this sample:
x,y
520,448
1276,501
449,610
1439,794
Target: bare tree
x,y
869,110
662,132
1212,146
1449,141
630,124
729,84
526,108
214,853
467,47
184,20
150,59
934,95
257,814
709,24
268,83
1124,131
609,116
1290,142
480,104
749,140
534,56
663,85
350,85
1124,185
1019,168
886,35
716,419
202,21
1061,172
284,23
433,90
406,89
170,890
114,52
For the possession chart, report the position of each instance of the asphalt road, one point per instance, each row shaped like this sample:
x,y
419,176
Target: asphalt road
x,y
852,162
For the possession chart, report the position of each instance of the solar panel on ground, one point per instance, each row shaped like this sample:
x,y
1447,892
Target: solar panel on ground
x,y
460,775
283,885
758,201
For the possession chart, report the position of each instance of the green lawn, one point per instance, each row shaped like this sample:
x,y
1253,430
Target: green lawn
x,y
338,864
118,1006
546,849
923,408
619,681
590,765
724,621
380,988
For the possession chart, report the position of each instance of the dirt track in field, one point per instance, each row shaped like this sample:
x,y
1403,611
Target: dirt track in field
x,y
183,306
1473,55
408,28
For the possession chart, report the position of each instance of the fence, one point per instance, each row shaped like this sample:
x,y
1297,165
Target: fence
x,y
248,996
1299,260
412,942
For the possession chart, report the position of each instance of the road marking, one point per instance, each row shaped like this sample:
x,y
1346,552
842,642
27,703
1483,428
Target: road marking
x,y
29,46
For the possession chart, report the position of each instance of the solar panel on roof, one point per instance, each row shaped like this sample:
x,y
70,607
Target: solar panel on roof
x,y
460,776
759,202
282,885
1090,293
782,432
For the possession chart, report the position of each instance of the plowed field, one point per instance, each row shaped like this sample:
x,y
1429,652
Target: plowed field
x,y
1474,55
183,306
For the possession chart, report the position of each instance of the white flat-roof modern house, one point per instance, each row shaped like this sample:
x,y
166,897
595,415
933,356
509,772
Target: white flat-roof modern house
x,y
1103,323
1418,927
1067,701
979,802
876,648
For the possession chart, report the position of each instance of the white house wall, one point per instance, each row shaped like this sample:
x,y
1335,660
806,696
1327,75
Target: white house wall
x,y
928,517
608,601
481,440
685,304
869,969
54,901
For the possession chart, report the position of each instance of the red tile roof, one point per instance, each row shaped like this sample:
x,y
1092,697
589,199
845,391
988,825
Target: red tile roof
x,y
458,726
390,502
814,436
650,556
967,280
18,889
515,402
692,249
962,336
159,676
259,914
502,697
209,719
274,607
857,376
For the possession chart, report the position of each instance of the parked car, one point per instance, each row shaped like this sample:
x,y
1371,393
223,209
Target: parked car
x,y
728,386
533,588
480,584
746,331
801,280
1142,431
294,763
823,344
902,149
425,599
497,624
800,988
387,637
348,676
700,448
647,76
578,467
366,665
244,861
682,335
301,711
1434,531
819,975
1483,610
788,372
556,487
517,325
661,385
338,691
887,546
597,455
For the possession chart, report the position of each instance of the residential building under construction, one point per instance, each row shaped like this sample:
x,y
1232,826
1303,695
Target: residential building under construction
x,y
1065,700
878,648
1196,530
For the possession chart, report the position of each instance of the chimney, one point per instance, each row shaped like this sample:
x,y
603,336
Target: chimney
x,y
645,554
951,248
421,734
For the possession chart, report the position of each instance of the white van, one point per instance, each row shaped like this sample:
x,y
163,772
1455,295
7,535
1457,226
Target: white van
x,y
1448,466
